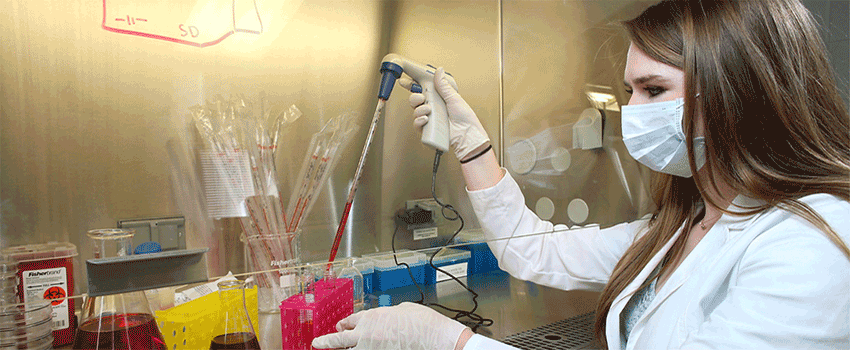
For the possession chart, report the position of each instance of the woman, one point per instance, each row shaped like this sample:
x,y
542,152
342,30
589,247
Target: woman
x,y
748,251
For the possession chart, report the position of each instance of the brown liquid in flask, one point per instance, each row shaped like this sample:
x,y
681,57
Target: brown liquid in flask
x,y
239,341
235,330
118,321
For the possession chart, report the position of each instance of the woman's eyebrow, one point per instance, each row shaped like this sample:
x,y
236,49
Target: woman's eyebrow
x,y
644,79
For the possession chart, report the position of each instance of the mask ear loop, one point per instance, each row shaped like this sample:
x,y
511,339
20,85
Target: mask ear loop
x,y
710,176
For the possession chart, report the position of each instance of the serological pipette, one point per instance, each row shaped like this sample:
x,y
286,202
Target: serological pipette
x,y
359,172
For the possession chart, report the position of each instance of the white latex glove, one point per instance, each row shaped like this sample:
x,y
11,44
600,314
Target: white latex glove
x,y
405,326
465,130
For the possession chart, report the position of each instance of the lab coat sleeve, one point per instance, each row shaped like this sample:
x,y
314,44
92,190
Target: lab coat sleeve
x,y
480,342
578,258
790,292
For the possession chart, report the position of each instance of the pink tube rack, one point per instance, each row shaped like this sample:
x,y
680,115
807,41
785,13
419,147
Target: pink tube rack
x,y
302,320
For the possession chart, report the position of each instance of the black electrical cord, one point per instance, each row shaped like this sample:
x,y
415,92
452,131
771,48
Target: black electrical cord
x,y
395,258
475,320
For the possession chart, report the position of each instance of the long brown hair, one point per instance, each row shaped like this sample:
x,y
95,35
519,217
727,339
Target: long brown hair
x,y
775,125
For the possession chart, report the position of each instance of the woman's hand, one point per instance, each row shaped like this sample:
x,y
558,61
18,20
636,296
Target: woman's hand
x,y
406,326
465,131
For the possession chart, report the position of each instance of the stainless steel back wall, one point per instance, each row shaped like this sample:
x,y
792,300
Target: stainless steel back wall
x,y
90,118
94,124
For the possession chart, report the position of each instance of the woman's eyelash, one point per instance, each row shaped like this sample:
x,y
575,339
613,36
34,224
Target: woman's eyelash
x,y
654,91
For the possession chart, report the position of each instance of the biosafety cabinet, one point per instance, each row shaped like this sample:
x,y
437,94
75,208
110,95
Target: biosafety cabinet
x,y
99,106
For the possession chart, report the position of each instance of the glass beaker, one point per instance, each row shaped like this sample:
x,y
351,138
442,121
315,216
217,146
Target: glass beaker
x,y
236,332
271,255
271,258
118,321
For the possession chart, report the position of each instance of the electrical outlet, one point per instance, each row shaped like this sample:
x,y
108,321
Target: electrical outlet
x,y
425,230
427,204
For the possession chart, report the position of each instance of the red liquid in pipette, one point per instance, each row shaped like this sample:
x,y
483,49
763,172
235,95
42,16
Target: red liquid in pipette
x,y
357,174
339,231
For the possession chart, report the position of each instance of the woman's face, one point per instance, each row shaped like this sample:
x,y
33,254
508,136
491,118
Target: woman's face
x,y
648,80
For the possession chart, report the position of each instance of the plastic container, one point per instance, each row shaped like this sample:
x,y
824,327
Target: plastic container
x,y
482,258
26,326
385,300
351,272
453,261
305,316
46,271
191,325
388,275
367,269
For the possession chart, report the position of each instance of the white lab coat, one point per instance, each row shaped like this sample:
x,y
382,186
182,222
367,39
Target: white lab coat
x,y
766,281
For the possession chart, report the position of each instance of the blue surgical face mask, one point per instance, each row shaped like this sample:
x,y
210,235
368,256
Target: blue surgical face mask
x,y
653,135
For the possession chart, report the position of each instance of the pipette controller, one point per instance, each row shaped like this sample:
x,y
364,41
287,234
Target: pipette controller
x,y
435,133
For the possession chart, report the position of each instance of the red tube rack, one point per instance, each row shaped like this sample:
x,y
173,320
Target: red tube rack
x,y
302,320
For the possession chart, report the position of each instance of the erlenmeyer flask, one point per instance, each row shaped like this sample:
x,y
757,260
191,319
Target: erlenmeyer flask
x,y
235,330
118,321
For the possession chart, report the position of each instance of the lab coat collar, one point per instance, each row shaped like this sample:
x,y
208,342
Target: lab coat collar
x,y
720,233
740,204
701,256
725,224
612,332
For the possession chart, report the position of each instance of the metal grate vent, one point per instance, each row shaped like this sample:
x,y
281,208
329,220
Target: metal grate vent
x,y
572,333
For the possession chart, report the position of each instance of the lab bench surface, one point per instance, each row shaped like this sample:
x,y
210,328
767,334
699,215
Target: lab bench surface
x,y
514,306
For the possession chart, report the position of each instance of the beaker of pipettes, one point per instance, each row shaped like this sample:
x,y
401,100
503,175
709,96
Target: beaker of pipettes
x,y
235,330
118,321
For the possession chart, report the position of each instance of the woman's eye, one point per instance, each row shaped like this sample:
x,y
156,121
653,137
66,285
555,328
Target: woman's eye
x,y
629,91
654,91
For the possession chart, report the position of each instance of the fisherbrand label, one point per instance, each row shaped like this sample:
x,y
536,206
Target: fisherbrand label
x,y
49,284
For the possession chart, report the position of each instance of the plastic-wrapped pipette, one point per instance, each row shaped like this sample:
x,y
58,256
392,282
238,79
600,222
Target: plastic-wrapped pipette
x,y
307,168
325,167
315,149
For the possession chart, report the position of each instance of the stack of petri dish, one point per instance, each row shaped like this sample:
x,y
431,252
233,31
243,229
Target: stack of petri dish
x,y
26,326
22,326
8,282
